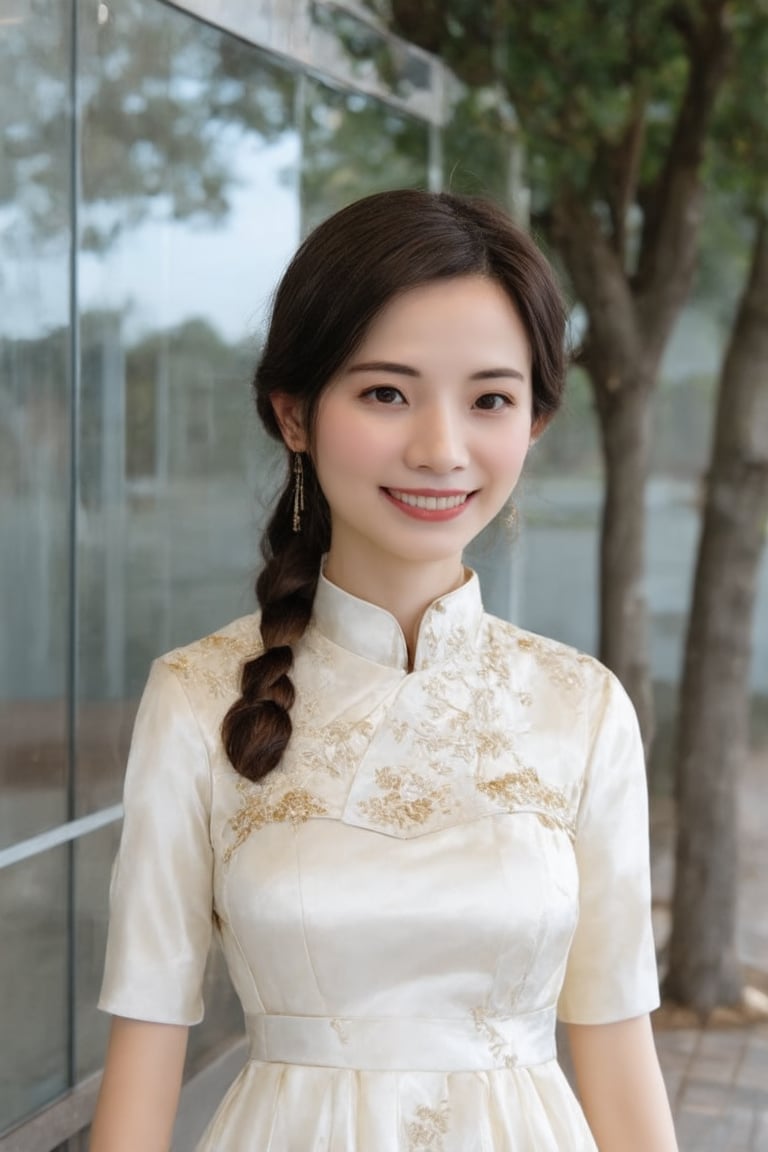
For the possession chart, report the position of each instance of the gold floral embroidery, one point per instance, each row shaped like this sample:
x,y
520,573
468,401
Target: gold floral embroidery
x,y
498,1046
410,799
297,790
465,733
524,788
495,651
295,806
562,664
426,1131
216,661
454,644
335,748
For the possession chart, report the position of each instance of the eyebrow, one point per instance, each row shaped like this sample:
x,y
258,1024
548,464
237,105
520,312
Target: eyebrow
x,y
405,370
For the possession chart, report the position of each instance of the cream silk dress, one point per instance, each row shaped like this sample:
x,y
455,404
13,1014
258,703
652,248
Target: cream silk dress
x,y
445,860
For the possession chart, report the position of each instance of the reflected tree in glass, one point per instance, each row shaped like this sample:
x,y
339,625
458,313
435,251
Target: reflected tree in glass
x,y
354,146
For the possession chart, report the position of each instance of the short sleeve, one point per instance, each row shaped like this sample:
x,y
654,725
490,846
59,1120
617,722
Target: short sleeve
x,y
161,891
611,971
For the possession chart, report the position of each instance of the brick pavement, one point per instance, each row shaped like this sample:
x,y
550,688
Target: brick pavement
x,y
717,1076
717,1079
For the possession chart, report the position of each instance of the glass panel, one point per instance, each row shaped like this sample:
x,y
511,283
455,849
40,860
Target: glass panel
x,y
33,984
92,863
355,145
190,211
34,413
354,50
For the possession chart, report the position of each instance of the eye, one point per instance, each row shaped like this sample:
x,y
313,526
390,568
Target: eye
x,y
385,394
493,402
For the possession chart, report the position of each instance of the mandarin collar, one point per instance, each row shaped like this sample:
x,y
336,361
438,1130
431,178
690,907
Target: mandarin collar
x,y
448,630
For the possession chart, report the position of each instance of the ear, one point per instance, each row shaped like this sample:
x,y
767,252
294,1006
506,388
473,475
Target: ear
x,y
289,414
539,426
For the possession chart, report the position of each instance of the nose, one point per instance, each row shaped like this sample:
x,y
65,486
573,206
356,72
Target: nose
x,y
438,441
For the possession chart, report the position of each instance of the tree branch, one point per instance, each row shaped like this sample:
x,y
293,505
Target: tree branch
x,y
670,234
625,160
600,283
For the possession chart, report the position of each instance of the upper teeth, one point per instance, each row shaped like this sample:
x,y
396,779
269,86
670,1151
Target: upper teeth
x,y
433,503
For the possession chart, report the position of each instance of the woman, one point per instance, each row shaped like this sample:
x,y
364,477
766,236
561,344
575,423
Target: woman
x,y
420,832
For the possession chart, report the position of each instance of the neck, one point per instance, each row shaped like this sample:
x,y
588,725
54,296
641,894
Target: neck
x,y
404,590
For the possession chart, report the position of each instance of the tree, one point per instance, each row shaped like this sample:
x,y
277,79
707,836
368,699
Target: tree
x,y
616,125
713,736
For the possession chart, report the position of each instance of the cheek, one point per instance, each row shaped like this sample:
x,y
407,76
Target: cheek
x,y
505,457
343,447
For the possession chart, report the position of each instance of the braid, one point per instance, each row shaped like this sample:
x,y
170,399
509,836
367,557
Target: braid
x,y
257,727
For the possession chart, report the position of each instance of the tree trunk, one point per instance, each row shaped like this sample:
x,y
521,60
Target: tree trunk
x,y
713,738
622,361
625,429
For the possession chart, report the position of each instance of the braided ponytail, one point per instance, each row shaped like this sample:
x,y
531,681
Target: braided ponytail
x,y
257,727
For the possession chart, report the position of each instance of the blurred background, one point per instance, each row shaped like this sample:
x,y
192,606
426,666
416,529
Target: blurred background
x,y
159,164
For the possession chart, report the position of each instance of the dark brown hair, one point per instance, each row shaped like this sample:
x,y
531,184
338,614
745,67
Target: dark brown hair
x,y
342,276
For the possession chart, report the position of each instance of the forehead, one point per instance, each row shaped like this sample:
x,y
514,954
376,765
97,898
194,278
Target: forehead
x,y
471,312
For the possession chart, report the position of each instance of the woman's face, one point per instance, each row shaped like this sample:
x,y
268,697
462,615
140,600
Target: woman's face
x,y
422,435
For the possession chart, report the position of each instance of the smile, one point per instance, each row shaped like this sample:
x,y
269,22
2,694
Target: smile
x,y
428,507
429,503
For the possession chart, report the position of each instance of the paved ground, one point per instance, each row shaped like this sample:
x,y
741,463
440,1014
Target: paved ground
x,y
717,1077
717,1080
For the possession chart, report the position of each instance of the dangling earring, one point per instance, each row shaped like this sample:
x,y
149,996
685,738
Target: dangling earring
x,y
298,490
511,519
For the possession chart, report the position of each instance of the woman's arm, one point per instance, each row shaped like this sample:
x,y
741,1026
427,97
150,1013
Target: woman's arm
x,y
139,1094
621,1087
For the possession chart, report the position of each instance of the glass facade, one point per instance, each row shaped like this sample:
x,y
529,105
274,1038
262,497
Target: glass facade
x,y
159,164
157,171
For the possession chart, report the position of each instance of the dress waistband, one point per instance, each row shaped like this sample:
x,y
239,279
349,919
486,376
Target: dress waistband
x,y
405,1042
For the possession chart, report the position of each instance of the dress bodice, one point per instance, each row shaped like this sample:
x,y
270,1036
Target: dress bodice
x,y
444,859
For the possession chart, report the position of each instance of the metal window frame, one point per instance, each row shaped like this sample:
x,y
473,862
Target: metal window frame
x,y
285,29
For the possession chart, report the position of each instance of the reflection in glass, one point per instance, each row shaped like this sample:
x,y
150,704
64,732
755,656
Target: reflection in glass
x,y
189,213
34,417
353,48
92,858
33,984
353,146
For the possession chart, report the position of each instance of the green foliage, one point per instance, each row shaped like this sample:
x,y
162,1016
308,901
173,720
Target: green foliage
x,y
739,162
476,147
578,72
